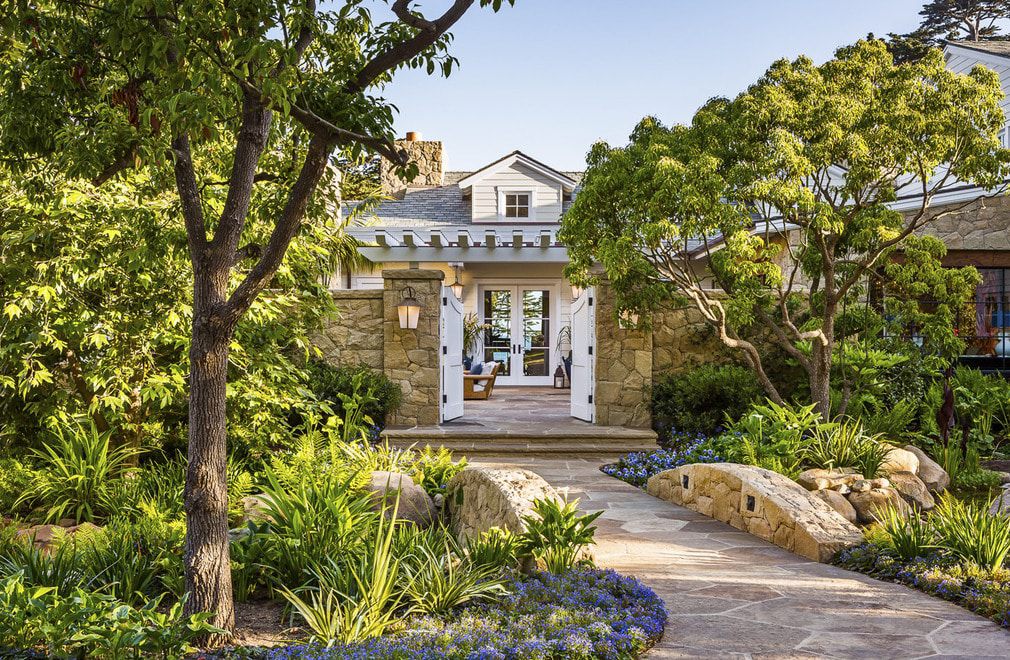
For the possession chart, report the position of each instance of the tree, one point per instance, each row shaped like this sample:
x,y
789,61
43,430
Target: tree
x,y
96,88
943,20
781,197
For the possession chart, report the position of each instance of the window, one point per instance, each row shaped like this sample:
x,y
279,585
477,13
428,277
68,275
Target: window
x,y
517,204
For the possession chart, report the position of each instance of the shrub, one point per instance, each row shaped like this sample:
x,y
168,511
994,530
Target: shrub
x,y
438,582
700,400
329,382
433,468
17,477
908,536
845,445
636,468
79,472
771,436
556,534
966,530
87,624
579,615
494,549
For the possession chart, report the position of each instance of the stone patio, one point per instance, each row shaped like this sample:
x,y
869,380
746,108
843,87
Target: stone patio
x,y
731,595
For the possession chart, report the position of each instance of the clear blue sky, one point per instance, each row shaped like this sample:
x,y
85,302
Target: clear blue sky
x,y
551,77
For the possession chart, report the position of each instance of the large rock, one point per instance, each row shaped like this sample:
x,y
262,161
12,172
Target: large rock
x,y
871,503
254,508
839,503
479,498
761,502
913,490
822,479
1001,505
900,460
414,504
935,477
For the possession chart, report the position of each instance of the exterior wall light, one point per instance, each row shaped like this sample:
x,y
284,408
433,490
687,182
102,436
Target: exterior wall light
x,y
628,320
409,310
457,286
577,291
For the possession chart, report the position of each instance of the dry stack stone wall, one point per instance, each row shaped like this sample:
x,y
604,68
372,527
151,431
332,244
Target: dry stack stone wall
x,y
410,357
681,340
761,502
355,335
481,498
623,368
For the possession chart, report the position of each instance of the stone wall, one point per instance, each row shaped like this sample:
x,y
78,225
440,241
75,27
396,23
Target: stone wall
x,y
427,155
681,340
478,499
624,366
979,226
760,502
354,336
410,357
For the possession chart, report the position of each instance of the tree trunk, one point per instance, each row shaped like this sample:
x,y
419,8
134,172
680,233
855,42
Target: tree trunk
x,y
820,366
208,571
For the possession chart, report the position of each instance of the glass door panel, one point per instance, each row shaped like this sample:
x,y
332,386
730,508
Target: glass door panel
x,y
498,315
536,332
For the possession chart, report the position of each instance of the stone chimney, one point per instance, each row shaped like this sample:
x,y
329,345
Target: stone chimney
x,y
426,154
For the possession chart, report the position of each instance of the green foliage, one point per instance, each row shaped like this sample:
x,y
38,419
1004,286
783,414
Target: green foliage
x,y
702,399
556,534
846,445
968,531
821,147
80,623
335,384
908,536
438,581
433,468
17,477
771,436
494,549
79,474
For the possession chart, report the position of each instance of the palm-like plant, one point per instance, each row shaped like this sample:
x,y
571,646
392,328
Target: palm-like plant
x,y
81,473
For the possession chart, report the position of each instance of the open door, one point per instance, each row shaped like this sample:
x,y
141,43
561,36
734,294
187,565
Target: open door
x,y
452,356
583,356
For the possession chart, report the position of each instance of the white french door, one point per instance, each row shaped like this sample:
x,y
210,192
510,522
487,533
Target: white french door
x,y
520,324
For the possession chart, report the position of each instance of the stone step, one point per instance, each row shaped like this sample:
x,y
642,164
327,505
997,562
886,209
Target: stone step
x,y
592,441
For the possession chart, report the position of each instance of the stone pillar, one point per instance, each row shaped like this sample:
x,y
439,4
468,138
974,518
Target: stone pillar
x,y
623,368
410,357
426,155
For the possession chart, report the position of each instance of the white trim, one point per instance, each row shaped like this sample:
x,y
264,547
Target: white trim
x,y
507,162
531,208
981,56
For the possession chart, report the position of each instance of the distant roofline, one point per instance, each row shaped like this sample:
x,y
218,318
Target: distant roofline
x,y
976,49
509,159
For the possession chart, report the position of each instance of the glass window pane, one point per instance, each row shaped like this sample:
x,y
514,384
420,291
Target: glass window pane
x,y
523,212
535,363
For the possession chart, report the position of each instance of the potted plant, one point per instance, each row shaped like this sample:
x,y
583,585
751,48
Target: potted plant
x,y
565,339
473,333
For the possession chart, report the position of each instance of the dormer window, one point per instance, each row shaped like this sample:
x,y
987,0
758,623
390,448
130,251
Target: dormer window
x,y
515,204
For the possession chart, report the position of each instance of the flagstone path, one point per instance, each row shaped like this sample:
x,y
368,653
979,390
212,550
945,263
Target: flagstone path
x,y
731,595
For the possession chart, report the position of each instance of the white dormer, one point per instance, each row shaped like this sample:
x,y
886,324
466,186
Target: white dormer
x,y
517,189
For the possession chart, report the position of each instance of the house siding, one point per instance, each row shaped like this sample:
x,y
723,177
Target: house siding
x,y
547,201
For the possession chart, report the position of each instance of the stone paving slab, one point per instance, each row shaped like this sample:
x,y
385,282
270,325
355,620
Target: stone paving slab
x,y
731,595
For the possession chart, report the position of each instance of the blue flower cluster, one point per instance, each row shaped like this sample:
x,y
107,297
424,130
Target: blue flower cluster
x,y
582,614
636,467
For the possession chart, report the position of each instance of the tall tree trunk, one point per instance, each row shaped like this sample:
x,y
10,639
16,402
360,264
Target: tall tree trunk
x,y
820,364
208,571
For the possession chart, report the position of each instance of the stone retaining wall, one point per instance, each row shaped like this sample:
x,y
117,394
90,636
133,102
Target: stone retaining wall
x,y
760,502
354,336
623,368
478,499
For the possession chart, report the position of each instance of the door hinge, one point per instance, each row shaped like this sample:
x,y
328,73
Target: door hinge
x,y
590,301
590,350
445,398
445,350
590,398
445,301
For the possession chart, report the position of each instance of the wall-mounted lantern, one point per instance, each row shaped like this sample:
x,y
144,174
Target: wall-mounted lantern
x,y
457,286
409,310
628,320
577,291
559,378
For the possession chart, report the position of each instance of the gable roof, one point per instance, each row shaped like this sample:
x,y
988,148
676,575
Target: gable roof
x,y
524,160
1000,48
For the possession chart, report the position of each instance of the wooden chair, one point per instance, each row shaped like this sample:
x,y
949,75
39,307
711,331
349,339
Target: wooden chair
x,y
470,391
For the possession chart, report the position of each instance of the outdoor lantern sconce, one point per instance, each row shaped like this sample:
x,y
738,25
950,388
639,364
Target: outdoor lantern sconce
x,y
559,378
628,320
409,310
457,286
577,291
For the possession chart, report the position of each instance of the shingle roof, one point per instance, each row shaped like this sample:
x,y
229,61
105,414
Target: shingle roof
x,y
997,47
428,207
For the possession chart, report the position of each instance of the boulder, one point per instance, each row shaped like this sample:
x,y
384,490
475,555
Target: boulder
x,y
837,501
254,508
861,486
414,503
1001,505
45,536
868,504
821,479
930,472
913,490
900,460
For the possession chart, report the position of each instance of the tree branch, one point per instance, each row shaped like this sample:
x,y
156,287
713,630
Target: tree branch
x,y
189,195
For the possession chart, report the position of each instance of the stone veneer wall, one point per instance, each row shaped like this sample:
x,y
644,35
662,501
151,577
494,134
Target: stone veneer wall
x,y
624,366
427,155
979,226
681,339
760,502
410,357
355,336
481,498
